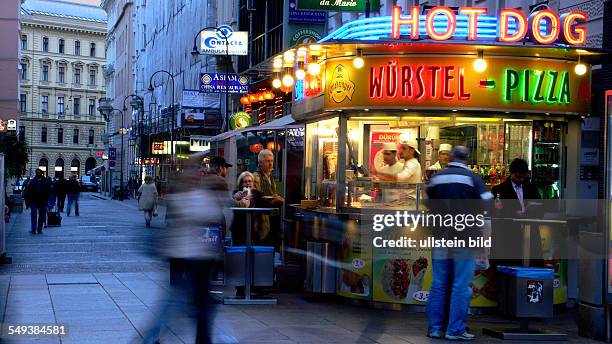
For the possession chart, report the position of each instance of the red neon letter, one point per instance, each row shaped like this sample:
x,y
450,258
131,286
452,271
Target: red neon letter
x,y
450,29
376,82
397,21
406,81
463,95
420,82
504,15
446,93
552,27
569,37
435,70
472,14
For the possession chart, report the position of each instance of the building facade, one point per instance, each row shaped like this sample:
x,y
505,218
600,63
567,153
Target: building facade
x,y
61,62
9,60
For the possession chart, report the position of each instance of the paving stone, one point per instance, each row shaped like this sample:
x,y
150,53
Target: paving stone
x,y
71,279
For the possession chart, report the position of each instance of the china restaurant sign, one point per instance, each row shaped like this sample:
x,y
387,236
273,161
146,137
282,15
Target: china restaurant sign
x,y
442,82
442,23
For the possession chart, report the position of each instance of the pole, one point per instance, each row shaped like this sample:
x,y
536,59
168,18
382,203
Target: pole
x,y
367,8
172,130
122,157
227,62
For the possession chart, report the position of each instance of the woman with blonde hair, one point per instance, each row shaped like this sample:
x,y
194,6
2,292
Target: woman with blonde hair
x,y
148,199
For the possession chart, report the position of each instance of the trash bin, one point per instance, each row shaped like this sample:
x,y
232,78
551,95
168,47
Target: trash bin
x,y
320,267
526,292
263,265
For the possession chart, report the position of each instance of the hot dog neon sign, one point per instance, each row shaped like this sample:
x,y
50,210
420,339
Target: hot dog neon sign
x,y
543,27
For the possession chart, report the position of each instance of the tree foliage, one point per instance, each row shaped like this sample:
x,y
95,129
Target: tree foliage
x,y
15,154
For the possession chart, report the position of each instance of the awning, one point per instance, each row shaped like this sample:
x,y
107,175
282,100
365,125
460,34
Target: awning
x,y
279,123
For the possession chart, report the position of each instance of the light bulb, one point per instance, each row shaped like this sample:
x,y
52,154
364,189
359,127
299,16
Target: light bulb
x,y
278,63
480,65
300,74
288,80
276,83
314,68
358,62
580,69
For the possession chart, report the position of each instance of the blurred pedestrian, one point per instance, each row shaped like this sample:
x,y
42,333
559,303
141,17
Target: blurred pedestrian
x,y
449,192
60,190
36,196
147,199
73,190
194,205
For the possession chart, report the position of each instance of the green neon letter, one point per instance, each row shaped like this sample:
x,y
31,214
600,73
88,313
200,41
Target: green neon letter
x,y
537,97
550,97
525,93
564,90
510,83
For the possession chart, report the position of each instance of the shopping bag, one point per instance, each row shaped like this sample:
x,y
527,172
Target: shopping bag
x,y
155,213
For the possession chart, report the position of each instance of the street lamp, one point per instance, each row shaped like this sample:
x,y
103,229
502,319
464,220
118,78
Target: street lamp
x,y
106,110
151,89
196,52
137,103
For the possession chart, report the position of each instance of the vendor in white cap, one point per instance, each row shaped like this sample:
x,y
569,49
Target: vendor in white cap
x,y
392,166
409,151
443,157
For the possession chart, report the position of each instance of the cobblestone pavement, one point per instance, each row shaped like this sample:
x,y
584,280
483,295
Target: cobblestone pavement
x,y
93,275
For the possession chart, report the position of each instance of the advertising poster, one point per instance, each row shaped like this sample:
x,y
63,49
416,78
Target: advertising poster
x,y
355,256
377,139
215,83
552,249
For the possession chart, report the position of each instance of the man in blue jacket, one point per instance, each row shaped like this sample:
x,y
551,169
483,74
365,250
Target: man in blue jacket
x,y
449,192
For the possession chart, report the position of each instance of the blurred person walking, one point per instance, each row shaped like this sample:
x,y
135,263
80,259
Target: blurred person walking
x,y
449,192
195,204
147,199
60,190
73,190
36,196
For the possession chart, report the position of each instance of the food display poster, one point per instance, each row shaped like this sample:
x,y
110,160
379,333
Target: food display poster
x,y
355,255
552,249
377,139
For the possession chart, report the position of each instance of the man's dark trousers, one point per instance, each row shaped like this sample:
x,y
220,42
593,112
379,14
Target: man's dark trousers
x,y
37,215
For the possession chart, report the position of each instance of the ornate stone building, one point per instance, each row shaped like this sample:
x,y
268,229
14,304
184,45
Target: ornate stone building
x,y
62,55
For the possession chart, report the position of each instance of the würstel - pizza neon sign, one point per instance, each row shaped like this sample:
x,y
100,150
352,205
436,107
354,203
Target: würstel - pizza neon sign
x,y
543,27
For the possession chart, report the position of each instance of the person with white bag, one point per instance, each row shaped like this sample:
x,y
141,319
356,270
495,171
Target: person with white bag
x,y
147,201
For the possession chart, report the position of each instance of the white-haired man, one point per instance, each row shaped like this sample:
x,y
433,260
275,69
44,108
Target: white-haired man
x,y
263,183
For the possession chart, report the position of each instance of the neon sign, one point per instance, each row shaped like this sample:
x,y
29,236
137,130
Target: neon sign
x,y
536,86
417,82
468,23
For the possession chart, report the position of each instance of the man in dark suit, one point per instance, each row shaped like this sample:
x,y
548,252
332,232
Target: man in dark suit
x,y
36,197
516,193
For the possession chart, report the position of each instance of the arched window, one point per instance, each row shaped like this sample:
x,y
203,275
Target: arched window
x,y
90,164
59,167
43,164
75,167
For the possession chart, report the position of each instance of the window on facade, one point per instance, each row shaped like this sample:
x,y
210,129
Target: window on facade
x,y
45,73
75,136
61,46
92,49
22,102
77,76
43,134
91,136
21,133
45,45
91,108
62,74
45,104
60,105
24,42
92,77
76,106
23,73
77,48
60,135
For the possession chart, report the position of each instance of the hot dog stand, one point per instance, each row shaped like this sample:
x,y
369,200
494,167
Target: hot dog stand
x,y
502,85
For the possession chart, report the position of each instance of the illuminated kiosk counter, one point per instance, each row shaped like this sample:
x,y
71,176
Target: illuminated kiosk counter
x,y
502,85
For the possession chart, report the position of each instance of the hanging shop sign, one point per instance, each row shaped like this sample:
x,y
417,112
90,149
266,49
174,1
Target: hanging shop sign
x,y
523,84
199,100
305,17
241,120
213,42
215,83
308,87
338,5
199,143
11,125
164,147
441,23
304,36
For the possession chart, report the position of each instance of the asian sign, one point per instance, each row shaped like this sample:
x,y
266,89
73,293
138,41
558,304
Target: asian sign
x,y
305,17
451,82
337,5
213,42
241,120
215,83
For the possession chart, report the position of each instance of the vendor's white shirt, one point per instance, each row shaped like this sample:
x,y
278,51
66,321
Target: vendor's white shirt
x,y
393,170
411,173
436,166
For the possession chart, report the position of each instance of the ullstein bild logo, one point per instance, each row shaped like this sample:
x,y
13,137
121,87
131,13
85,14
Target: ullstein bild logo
x,y
213,42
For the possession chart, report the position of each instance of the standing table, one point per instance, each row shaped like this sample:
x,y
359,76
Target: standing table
x,y
248,278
